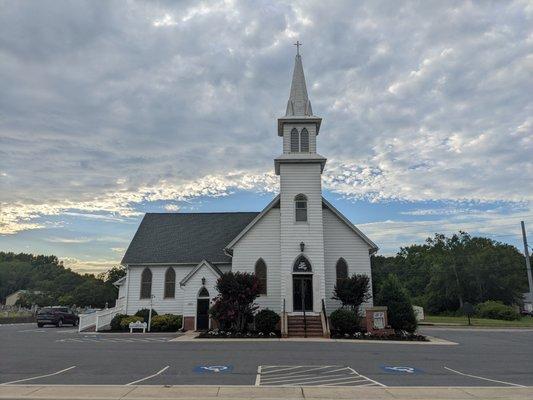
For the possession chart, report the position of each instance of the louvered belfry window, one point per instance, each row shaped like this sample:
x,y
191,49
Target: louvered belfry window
x,y
295,141
300,204
261,273
170,283
146,284
304,141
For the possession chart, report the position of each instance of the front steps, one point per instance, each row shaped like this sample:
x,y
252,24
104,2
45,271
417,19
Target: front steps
x,y
295,324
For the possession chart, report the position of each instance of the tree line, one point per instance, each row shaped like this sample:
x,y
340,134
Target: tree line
x,y
447,271
51,283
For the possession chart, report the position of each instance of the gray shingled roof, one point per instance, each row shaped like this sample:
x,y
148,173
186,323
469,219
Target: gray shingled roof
x,y
185,237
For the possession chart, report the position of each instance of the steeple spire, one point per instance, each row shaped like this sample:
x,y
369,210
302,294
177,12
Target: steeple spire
x,y
298,104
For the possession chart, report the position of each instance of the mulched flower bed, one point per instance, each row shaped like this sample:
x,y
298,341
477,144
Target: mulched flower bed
x,y
403,336
219,334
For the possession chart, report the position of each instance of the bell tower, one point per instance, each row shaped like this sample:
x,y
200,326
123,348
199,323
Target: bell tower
x,y
300,169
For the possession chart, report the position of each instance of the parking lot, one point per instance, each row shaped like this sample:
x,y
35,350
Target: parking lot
x,y
60,356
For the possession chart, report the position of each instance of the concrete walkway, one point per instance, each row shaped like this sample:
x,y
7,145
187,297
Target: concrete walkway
x,y
73,392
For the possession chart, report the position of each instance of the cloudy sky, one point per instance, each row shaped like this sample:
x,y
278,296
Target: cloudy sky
x,y
109,109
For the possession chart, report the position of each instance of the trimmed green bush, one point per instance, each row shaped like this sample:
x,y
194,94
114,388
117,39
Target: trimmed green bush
x,y
496,310
266,321
400,313
115,322
166,323
125,322
344,321
144,313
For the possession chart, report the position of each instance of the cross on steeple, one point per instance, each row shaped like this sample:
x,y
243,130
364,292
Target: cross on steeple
x,y
297,44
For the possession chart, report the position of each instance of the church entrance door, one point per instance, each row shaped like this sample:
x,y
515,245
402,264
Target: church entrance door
x,y
302,288
202,315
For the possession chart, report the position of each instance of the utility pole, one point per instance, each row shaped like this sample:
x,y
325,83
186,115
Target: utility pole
x,y
528,262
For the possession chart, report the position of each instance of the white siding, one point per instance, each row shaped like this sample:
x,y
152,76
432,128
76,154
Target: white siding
x,y
161,305
306,179
341,241
189,292
262,241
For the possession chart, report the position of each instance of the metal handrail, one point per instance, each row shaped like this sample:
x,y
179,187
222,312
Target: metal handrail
x,y
303,307
325,315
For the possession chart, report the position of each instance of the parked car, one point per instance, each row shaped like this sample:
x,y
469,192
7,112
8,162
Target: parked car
x,y
56,316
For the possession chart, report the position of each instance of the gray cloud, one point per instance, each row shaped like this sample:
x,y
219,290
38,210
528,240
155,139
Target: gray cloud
x,y
106,102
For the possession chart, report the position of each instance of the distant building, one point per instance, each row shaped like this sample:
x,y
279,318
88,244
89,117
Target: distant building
x,y
528,302
12,298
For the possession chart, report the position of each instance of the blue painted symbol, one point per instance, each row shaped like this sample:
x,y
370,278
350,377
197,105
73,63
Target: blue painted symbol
x,y
401,370
213,369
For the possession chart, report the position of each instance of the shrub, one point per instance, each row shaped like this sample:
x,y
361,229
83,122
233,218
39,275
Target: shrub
x,y
166,323
344,321
144,313
496,310
115,322
125,322
400,313
266,321
353,291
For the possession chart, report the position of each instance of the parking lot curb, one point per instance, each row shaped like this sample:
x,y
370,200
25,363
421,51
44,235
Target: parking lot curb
x,y
115,392
431,340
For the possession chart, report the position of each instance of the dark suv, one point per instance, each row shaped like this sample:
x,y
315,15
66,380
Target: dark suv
x,y
56,316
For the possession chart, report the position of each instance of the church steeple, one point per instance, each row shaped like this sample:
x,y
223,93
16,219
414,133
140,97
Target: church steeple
x,y
299,127
298,104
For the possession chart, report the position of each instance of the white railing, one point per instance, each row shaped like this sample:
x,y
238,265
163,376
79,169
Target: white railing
x,y
86,321
101,318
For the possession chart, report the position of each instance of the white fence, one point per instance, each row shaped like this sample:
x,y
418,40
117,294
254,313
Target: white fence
x,y
101,318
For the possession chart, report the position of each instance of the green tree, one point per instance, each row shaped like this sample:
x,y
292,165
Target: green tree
x,y
353,291
400,313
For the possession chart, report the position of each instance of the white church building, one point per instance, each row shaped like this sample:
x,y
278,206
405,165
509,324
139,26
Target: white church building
x,y
298,246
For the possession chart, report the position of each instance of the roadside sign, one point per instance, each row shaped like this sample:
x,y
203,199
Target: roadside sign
x,y
213,369
392,369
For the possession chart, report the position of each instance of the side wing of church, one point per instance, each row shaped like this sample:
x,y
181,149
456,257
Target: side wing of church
x,y
299,245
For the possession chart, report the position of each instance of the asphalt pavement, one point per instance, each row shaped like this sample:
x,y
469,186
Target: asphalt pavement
x,y
58,356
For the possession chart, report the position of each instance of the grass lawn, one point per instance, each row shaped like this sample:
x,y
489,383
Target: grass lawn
x,y
524,322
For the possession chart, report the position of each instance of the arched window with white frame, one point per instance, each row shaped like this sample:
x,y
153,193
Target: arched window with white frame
x,y
300,205
170,283
261,273
341,270
146,284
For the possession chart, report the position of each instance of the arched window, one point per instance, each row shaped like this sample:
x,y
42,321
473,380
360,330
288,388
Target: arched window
x,y
304,141
295,141
341,270
203,292
170,283
300,204
261,273
302,264
146,284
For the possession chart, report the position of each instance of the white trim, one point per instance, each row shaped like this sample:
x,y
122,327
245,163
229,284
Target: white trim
x,y
213,269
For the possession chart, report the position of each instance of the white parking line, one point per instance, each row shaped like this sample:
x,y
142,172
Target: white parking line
x,y
38,377
312,375
148,377
485,379
371,380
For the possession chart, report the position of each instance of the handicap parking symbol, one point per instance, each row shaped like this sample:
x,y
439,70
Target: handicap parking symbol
x,y
401,370
213,369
